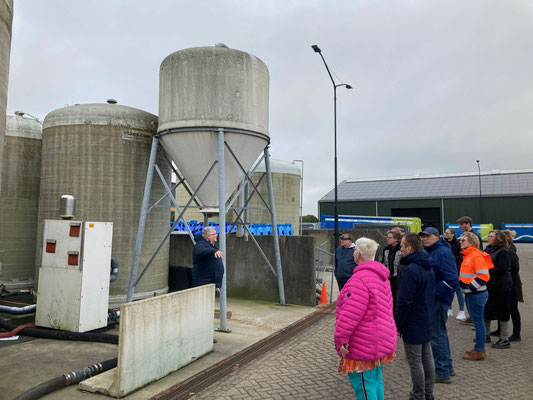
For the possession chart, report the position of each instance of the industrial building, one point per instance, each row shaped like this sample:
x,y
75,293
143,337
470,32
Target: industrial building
x,y
488,197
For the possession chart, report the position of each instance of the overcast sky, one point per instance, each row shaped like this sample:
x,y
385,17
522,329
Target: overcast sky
x,y
437,84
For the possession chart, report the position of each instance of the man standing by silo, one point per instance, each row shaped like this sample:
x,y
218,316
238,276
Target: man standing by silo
x,y
207,259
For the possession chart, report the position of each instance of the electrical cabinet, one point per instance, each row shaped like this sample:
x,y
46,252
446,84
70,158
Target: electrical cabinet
x,y
73,292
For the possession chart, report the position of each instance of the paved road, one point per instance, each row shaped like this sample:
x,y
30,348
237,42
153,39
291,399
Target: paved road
x,y
305,367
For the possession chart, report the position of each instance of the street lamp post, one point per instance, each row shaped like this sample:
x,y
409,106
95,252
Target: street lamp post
x,y
335,86
480,204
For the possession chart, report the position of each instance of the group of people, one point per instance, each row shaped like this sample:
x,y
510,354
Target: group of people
x,y
409,295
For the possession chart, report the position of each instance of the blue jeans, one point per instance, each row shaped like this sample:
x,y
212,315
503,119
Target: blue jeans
x,y
368,385
475,303
439,341
460,298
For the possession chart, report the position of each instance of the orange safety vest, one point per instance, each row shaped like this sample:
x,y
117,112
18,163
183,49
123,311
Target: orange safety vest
x,y
476,264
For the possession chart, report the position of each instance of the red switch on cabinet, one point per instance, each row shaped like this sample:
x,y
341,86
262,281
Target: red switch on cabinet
x,y
73,258
50,246
75,229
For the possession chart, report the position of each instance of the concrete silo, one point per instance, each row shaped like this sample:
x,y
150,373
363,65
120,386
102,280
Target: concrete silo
x,y
99,153
6,20
205,88
19,202
286,185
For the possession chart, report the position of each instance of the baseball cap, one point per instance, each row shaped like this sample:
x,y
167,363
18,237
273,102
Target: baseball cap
x,y
429,231
346,236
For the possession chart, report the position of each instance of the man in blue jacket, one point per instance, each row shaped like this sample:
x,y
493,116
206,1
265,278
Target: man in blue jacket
x,y
446,280
207,259
344,263
414,315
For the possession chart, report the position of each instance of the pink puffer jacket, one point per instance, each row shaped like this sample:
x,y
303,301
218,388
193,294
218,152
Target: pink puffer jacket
x,y
364,314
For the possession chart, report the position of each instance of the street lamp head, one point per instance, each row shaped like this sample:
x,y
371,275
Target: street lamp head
x,y
19,113
316,48
477,161
348,86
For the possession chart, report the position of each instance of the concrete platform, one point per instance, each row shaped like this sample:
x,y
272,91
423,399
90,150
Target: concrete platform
x,y
28,363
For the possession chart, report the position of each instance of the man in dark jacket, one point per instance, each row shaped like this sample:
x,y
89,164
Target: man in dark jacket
x,y
446,280
344,263
391,259
414,315
207,259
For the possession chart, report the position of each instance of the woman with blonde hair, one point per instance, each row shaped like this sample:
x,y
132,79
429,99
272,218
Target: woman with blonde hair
x,y
473,278
365,332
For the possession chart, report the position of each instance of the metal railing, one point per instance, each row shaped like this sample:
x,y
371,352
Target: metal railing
x,y
324,263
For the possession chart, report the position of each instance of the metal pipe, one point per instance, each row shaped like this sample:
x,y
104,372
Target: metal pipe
x,y
142,219
222,226
277,252
18,310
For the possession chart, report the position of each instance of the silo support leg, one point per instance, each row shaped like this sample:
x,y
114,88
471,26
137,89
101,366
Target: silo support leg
x,y
222,228
281,287
142,218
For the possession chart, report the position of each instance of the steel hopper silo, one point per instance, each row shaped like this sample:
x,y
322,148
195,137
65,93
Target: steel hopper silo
x,y
99,154
205,88
6,20
19,201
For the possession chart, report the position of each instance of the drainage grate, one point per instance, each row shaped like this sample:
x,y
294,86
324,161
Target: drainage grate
x,y
197,383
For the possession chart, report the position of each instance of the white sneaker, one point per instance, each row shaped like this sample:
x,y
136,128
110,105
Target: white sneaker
x,y
450,313
461,316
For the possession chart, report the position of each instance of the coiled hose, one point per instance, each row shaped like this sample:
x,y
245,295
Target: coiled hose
x,y
61,335
64,380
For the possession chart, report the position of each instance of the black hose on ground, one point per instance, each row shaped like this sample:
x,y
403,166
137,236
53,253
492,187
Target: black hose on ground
x,y
64,380
61,335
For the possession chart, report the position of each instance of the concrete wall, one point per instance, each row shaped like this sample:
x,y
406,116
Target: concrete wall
x,y
249,276
158,336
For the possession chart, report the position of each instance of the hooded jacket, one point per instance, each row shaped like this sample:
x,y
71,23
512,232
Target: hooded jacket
x,y
446,276
207,268
364,314
415,302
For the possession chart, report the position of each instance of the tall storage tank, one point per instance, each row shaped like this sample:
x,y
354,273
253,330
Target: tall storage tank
x,y
205,88
19,201
286,187
99,153
6,20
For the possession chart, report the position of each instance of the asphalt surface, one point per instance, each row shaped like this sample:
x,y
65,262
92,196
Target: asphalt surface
x,y
305,367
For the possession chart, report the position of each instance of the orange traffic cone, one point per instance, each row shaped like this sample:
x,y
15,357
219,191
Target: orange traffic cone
x,y
323,296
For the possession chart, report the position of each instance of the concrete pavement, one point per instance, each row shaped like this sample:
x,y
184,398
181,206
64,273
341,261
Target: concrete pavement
x,y
306,366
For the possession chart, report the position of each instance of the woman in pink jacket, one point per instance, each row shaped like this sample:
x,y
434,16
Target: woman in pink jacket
x,y
365,332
